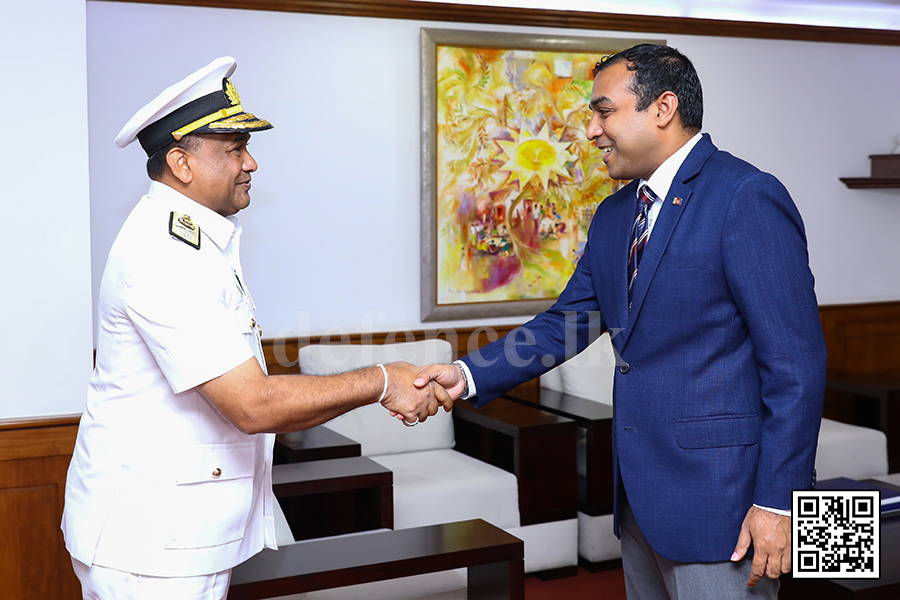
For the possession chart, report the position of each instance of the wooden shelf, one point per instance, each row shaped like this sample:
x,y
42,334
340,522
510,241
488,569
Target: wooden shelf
x,y
871,182
885,173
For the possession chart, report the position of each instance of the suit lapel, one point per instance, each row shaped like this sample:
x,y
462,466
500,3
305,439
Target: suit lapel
x,y
676,203
669,216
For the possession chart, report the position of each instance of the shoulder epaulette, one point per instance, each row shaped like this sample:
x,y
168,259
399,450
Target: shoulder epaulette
x,y
182,228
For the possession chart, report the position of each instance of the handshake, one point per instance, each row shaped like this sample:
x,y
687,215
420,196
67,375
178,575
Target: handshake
x,y
413,394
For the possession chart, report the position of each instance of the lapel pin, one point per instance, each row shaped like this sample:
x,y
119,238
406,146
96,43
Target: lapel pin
x,y
676,201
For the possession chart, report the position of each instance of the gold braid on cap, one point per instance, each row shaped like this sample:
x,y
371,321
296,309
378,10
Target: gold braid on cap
x,y
219,114
233,98
240,122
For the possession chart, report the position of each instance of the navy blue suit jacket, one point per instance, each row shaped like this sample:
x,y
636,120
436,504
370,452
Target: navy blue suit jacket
x,y
719,389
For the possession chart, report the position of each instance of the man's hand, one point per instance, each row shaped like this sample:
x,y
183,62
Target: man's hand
x,y
770,534
411,403
449,377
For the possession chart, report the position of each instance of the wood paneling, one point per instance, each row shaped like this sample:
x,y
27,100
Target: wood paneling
x,y
28,443
566,19
862,339
34,458
35,453
281,354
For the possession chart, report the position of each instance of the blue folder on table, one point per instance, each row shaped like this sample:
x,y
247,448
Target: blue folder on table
x,y
890,496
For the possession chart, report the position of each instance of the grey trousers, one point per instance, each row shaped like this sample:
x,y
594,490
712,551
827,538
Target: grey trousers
x,y
649,576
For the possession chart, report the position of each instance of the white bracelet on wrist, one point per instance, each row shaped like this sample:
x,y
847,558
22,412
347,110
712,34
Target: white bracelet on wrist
x,y
384,391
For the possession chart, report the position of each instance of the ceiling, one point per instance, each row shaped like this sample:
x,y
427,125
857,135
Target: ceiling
x,y
870,14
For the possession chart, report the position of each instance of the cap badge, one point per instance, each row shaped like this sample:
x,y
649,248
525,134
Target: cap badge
x,y
232,93
182,228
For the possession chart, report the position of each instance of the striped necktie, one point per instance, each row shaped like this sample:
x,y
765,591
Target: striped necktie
x,y
639,235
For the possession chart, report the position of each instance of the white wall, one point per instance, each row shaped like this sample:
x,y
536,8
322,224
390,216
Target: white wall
x,y
332,236
45,244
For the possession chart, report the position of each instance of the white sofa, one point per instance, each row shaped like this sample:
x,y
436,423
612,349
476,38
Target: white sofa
x,y
433,483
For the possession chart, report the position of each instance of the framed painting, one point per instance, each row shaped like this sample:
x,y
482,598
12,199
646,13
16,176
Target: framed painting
x,y
510,181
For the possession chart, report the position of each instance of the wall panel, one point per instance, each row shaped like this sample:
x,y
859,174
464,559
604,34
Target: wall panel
x,y
34,457
863,338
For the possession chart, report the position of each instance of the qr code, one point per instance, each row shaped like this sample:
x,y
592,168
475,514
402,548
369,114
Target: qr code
x,y
836,534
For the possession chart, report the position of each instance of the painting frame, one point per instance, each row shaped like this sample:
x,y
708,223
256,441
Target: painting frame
x,y
430,41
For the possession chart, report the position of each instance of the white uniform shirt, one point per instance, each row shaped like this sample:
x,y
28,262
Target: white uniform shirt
x,y
160,483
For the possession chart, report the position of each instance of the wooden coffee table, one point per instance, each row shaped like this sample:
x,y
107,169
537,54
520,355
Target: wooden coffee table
x,y
493,558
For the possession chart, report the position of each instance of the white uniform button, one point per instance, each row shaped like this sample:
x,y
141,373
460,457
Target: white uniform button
x,y
217,473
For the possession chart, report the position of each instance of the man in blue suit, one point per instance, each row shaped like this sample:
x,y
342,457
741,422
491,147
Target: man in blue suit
x,y
699,269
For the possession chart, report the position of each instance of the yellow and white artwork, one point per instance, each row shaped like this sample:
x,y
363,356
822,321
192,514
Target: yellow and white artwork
x,y
517,180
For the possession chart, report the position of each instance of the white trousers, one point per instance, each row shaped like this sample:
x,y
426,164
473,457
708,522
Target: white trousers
x,y
101,583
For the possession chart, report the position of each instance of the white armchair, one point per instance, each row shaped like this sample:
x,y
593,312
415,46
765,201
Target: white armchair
x,y
433,483
853,451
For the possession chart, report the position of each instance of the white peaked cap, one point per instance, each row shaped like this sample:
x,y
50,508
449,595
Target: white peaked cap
x,y
203,102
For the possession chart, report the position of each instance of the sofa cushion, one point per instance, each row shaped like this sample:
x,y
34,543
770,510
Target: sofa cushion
x,y
852,451
444,486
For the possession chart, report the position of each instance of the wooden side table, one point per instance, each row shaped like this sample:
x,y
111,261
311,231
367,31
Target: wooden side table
x,y
538,447
595,488
332,497
317,443
886,587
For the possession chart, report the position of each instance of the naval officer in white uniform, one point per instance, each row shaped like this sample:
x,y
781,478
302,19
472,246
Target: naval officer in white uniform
x,y
170,484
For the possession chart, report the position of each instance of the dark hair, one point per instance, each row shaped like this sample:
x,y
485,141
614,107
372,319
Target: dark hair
x,y
156,163
659,69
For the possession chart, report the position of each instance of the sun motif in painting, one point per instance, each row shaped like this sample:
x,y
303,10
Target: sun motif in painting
x,y
538,156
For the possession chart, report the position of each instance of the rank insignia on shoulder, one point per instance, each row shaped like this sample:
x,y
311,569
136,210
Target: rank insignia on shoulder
x,y
182,228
